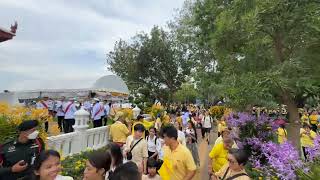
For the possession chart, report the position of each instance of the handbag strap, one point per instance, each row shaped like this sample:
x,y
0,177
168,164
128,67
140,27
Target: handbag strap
x,y
135,145
237,175
225,174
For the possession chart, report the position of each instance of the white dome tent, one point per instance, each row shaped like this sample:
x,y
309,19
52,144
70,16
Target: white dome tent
x,y
110,87
111,83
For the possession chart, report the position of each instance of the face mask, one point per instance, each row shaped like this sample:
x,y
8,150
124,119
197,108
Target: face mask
x,y
33,135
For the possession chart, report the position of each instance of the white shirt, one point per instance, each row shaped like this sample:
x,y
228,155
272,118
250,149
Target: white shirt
x,y
206,122
181,138
70,113
159,147
107,109
152,147
50,105
59,177
97,113
87,106
103,113
42,105
58,108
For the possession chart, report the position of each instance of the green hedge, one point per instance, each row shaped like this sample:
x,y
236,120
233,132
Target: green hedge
x,y
74,165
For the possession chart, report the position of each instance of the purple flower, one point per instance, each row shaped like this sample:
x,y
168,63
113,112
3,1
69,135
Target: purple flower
x,y
314,152
281,160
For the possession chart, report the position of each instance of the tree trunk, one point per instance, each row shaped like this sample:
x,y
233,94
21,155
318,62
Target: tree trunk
x,y
294,126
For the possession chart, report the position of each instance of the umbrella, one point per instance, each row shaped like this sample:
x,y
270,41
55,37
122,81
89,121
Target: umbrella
x,y
279,121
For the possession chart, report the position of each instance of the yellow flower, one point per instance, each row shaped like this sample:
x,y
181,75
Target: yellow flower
x,y
54,129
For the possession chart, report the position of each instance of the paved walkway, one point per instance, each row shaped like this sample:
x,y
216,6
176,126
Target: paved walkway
x,y
204,148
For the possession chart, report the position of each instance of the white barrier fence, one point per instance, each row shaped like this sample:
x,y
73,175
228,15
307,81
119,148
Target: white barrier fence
x,y
80,140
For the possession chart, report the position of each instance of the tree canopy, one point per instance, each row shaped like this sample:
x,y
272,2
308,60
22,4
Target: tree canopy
x,y
151,64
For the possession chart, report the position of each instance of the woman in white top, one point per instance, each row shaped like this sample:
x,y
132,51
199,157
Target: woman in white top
x,y
192,141
181,135
160,144
152,143
206,125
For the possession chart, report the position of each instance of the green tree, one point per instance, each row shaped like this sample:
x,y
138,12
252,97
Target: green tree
x,y
186,94
265,51
151,65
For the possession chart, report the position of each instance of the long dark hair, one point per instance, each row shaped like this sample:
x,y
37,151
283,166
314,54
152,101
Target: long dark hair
x,y
42,157
100,159
194,129
240,155
116,154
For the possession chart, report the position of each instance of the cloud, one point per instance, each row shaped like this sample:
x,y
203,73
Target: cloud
x,y
62,44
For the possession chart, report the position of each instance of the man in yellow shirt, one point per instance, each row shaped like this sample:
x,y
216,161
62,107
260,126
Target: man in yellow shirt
x,y
314,120
118,131
307,137
218,156
178,156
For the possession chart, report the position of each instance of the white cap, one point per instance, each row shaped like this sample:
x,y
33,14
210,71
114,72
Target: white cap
x,y
96,99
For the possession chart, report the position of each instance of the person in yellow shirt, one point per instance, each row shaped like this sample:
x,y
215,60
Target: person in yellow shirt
x,y
165,118
282,134
221,126
305,117
218,155
178,157
179,119
139,121
306,138
235,168
313,118
118,131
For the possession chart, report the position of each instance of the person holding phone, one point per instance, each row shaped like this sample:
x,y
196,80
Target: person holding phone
x,y
17,156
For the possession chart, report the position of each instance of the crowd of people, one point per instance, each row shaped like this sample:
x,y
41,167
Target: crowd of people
x,y
64,109
170,148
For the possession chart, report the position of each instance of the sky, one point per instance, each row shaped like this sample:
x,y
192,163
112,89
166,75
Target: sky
x,y
63,43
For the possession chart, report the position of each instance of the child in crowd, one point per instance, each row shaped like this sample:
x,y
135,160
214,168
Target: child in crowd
x,y
152,170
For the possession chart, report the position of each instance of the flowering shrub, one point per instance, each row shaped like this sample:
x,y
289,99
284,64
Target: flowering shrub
x,y
155,109
217,111
251,126
74,165
272,159
12,116
313,163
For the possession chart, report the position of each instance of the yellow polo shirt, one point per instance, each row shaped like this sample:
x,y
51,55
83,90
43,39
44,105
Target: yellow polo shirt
x,y
313,119
179,120
305,119
282,135
118,132
219,156
166,119
305,140
181,161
